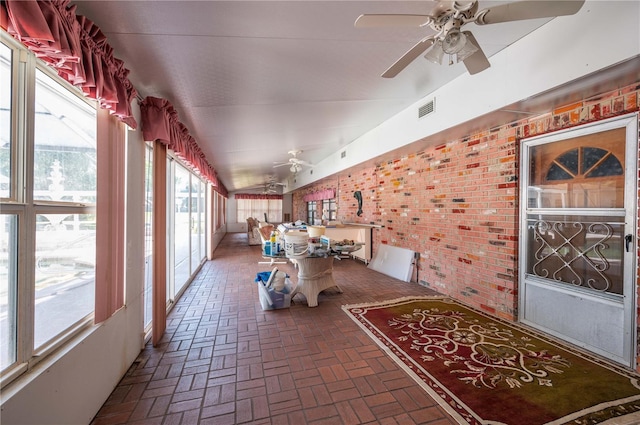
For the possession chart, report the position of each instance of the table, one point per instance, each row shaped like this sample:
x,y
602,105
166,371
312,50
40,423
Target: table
x,y
315,274
344,251
273,258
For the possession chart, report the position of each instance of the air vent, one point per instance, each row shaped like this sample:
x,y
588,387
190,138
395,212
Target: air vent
x,y
427,108
343,154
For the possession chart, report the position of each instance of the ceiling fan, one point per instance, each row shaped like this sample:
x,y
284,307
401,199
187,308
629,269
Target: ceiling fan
x,y
448,17
269,187
295,164
272,187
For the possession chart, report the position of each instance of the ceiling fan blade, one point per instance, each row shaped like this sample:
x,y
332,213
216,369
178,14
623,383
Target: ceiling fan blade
x,y
305,163
408,57
377,21
478,60
281,165
531,9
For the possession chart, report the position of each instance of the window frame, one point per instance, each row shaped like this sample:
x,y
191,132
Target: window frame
x,y
331,208
20,202
311,212
175,288
41,206
148,243
245,208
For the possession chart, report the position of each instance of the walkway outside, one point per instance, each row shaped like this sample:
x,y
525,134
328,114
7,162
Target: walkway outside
x,y
224,360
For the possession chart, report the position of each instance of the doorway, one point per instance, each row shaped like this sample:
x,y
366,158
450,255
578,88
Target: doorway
x,y
577,244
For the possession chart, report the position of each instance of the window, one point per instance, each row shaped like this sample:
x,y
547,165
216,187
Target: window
x,y
218,205
182,225
221,203
9,222
586,162
197,223
329,209
64,175
5,119
148,238
52,215
187,246
584,172
271,209
8,289
311,212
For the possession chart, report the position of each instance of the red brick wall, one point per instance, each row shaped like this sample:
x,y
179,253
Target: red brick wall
x,y
456,203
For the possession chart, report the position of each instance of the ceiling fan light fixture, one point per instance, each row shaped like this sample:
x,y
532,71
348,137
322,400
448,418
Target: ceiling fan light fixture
x,y
467,50
436,53
454,42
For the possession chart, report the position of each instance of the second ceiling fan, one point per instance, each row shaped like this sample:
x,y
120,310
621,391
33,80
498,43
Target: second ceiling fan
x,y
295,164
447,19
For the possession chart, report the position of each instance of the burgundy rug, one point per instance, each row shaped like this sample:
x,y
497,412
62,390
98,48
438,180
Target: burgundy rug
x,y
484,370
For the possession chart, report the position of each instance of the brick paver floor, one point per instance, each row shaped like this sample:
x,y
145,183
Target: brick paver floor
x,y
223,360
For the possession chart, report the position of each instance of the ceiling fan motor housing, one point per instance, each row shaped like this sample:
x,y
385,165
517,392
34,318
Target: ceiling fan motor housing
x,y
452,14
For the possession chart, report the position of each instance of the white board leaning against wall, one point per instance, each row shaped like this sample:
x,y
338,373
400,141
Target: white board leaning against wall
x,y
393,261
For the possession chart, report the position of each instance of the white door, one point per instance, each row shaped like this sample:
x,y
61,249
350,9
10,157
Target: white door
x,y
578,218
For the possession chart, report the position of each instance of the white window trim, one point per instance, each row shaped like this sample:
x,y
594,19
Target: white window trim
x,y
21,203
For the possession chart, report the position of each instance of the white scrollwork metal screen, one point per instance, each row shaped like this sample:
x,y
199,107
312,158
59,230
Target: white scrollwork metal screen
x,y
583,251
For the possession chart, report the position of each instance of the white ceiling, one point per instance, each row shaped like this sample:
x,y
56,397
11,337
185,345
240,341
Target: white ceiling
x,y
253,80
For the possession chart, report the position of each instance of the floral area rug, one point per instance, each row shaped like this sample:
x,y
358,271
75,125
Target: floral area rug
x,y
484,370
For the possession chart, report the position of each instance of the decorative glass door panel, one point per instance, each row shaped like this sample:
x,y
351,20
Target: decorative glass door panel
x,y
577,249
582,172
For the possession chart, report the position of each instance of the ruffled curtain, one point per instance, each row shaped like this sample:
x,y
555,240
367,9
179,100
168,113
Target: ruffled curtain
x,y
320,195
160,123
256,196
75,47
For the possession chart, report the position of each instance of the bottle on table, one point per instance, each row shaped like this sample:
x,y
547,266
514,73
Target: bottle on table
x,y
274,243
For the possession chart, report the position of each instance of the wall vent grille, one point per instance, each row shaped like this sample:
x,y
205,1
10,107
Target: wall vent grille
x,y
343,154
427,108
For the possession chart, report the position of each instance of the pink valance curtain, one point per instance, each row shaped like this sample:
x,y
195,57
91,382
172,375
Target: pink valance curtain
x,y
320,195
160,123
256,196
75,47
